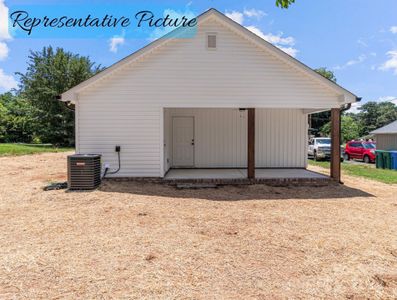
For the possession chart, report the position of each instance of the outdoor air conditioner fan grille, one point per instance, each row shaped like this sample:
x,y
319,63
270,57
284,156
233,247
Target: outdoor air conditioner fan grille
x,y
84,171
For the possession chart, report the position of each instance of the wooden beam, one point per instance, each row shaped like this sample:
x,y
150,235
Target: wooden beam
x,y
335,144
251,144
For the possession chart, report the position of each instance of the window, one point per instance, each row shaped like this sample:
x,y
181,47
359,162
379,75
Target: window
x,y
369,146
211,40
356,145
324,141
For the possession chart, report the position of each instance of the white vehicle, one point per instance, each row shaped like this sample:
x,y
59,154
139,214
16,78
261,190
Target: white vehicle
x,y
319,148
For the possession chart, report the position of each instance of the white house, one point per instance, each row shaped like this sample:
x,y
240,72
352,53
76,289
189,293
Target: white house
x,y
225,98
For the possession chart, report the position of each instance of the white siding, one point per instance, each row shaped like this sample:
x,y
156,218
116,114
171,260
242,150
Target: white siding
x,y
167,144
280,138
221,137
386,141
184,73
106,122
126,108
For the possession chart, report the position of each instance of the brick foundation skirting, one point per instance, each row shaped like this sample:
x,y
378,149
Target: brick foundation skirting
x,y
237,181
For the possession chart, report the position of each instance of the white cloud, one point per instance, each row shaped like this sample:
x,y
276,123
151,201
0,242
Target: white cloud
x,y
254,13
361,42
236,16
7,82
289,50
391,63
115,42
356,61
239,17
393,29
283,43
3,51
276,39
361,58
355,108
392,99
256,30
4,35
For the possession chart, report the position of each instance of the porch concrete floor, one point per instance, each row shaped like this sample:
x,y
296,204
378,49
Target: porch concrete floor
x,y
241,174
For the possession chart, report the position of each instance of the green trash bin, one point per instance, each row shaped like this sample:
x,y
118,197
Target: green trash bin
x,y
387,159
379,160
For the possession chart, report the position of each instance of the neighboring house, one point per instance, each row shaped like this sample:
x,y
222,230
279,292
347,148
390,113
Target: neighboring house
x,y
386,137
223,99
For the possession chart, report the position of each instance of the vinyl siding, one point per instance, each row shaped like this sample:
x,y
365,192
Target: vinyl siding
x,y
280,138
221,137
183,73
136,130
386,141
126,109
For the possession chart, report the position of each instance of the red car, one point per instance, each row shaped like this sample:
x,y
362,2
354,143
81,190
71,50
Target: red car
x,y
360,150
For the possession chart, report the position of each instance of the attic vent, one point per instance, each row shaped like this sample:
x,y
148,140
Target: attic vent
x,y
211,41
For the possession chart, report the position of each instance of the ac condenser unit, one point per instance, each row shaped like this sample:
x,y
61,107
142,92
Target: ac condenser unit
x,y
84,171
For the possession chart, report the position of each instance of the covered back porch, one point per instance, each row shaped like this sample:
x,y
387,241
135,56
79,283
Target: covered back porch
x,y
237,144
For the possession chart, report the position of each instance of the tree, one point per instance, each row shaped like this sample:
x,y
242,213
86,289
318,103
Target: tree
x,y
3,127
349,128
284,3
374,115
318,120
326,73
50,73
18,122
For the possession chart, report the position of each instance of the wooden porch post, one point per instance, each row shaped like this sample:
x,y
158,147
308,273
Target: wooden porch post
x,y
335,144
251,144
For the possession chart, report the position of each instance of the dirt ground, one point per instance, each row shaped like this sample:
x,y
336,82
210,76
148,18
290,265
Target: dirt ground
x,y
133,240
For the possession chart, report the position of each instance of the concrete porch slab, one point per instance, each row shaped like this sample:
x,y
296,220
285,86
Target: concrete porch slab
x,y
241,174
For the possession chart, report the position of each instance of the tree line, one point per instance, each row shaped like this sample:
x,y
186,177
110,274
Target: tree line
x,y
370,116
32,113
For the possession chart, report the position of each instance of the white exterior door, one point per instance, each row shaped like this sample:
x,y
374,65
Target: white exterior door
x,y
183,141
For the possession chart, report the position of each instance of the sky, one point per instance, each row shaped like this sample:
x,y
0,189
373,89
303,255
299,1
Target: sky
x,y
356,39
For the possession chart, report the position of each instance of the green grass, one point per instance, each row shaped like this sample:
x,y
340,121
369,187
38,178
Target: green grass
x,y
366,171
23,149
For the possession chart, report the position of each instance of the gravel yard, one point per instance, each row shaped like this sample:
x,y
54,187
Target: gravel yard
x,y
134,240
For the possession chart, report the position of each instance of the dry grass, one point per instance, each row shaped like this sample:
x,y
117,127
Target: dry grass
x,y
130,240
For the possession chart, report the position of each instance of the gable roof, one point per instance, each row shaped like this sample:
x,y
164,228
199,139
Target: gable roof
x,y
345,95
390,128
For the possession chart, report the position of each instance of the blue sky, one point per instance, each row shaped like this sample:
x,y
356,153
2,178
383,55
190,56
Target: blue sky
x,y
357,39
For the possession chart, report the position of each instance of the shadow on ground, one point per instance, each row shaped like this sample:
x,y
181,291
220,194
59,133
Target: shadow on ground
x,y
235,193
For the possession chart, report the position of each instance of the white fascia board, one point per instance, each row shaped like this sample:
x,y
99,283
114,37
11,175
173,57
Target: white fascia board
x,y
314,110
